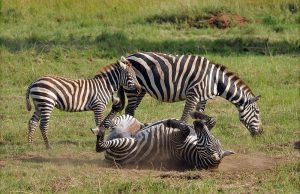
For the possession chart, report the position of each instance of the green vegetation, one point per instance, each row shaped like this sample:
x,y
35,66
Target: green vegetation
x,y
257,39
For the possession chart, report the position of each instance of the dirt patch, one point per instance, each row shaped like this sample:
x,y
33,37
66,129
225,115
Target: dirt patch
x,y
252,161
65,159
226,20
219,20
256,161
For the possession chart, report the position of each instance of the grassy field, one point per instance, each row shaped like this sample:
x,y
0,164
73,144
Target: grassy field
x,y
257,39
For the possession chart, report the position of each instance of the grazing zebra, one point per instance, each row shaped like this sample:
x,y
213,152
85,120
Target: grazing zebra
x,y
48,92
171,78
167,141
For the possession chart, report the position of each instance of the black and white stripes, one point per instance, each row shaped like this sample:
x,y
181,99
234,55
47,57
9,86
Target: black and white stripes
x,y
77,95
167,141
171,78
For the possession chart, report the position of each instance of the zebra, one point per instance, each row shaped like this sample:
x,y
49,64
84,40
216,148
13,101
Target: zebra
x,y
78,95
166,141
171,78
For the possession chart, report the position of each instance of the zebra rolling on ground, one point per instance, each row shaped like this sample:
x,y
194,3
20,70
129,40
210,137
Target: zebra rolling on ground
x,y
171,78
168,141
70,95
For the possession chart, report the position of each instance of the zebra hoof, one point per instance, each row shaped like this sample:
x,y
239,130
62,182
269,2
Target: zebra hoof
x,y
48,147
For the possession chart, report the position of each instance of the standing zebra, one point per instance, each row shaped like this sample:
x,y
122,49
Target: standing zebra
x,y
170,78
77,95
168,141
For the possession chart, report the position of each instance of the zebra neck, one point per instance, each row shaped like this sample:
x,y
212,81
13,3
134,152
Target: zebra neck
x,y
233,89
111,75
104,85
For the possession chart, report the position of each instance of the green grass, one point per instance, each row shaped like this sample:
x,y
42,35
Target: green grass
x,y
75,39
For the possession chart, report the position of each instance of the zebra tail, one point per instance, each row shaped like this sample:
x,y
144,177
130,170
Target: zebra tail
x,y
28,105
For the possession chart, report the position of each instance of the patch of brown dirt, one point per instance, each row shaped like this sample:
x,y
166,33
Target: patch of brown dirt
x,y
226,20
254,161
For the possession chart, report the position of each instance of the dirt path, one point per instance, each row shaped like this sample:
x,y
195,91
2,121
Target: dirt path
x,y
254,161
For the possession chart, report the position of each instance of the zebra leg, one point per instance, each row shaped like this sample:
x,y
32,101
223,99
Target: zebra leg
x,y
201,106
183,132
45,116
209,121
190,104
118,144
133,101
98,110
32,124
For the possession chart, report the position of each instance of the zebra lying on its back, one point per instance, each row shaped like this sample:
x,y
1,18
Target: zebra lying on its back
x,y
167,141
77,95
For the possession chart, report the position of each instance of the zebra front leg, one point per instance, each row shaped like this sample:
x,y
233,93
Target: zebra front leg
x,y
133,101
190,104
98,110
32,124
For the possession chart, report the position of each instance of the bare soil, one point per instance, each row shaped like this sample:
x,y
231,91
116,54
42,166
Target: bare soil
x,y
226,20
236,162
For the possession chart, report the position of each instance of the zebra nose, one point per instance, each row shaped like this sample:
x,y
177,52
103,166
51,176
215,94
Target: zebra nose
x,y
260,129
215,156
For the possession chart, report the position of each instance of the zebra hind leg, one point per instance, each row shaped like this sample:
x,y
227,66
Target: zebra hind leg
x,y
209,121
190,104
32,124
44,128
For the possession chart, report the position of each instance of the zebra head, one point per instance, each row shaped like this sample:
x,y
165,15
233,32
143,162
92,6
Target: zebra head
x,y
128,77
250,116
208,146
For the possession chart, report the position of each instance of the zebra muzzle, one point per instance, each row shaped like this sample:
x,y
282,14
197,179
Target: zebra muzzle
x,y
216,157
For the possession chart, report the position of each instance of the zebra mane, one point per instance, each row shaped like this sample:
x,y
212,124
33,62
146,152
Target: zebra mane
x,y
235,77
102,73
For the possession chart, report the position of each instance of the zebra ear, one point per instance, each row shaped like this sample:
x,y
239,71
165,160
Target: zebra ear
x,y
256,98
95,131
227,153
115,100
122,65
124,60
